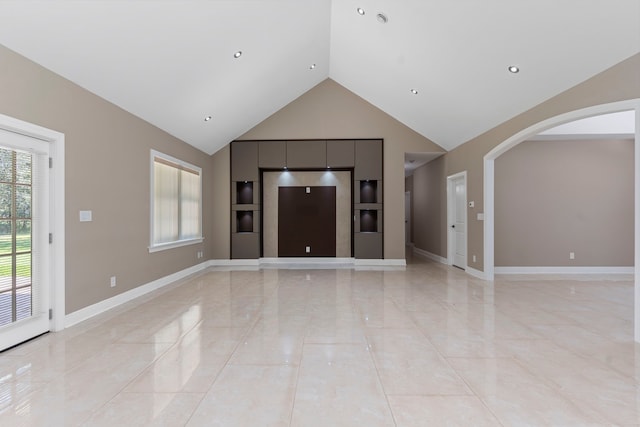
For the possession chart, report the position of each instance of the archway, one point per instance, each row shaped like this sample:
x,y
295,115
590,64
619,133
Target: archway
x,y
489,183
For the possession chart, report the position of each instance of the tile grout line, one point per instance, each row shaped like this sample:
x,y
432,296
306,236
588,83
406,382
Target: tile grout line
x,y
226,363
375,366
446,360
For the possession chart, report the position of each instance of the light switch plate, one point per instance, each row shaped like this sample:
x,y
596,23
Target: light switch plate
x,y
85,216
480,216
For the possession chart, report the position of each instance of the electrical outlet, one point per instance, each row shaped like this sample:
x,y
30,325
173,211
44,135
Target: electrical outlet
x,y
200,254
113,281
308,249
474,258
572,255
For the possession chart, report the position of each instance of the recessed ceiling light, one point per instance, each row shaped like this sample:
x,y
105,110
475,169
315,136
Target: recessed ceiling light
x,y
312,66
206,119
382,18
413,91
238,54
360,11
514,69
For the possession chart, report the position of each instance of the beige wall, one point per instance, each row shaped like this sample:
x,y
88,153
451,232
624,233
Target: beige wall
x,y
107,171
430,207
621,82
340,180
329,111
556,197
219,245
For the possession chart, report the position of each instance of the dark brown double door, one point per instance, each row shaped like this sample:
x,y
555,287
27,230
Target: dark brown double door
x,y
307,221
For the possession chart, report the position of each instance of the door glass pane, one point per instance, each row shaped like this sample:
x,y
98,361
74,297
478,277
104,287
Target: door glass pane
x,y
6,195
23,303
23,168
6,165
23,235
6,308
23,269
6,275
23,201
6,245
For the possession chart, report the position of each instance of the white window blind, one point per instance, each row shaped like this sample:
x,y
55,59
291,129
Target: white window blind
x,y
176,205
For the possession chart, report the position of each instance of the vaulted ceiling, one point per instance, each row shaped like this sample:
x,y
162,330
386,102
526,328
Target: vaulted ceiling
x,y
172,62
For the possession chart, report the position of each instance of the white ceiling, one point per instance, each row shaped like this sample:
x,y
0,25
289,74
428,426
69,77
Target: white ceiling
x,y
171,62
621,123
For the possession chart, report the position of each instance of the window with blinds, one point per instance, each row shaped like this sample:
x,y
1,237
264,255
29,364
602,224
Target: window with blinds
x,y
176,202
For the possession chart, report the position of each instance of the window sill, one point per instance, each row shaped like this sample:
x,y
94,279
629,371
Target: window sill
x,y
172,245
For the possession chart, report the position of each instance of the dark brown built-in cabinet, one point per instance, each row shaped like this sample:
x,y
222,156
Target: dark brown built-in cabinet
x,y
368,207
362,158
245,201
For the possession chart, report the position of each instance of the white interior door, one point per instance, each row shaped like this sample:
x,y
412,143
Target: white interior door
x,y
24,241
458,221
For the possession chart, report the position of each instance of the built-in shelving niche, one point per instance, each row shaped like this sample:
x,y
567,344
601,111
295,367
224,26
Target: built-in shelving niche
x,y
369,191
368,221
244,192
244,221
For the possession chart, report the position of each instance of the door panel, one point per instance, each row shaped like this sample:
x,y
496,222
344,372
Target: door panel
x,y
24,296
459,222
307,219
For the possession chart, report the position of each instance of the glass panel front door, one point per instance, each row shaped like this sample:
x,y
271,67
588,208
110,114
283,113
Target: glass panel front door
x,y
16,206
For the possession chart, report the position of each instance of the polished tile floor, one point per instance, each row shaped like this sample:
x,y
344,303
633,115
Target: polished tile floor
x,y
425,346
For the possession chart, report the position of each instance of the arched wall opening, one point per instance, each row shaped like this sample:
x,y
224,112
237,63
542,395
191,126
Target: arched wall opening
x,y
489,184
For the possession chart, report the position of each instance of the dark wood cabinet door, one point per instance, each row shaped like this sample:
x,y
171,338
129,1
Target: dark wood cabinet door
x,y
307,221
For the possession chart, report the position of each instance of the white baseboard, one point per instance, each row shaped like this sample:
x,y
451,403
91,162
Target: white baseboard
x,y
390,262
431,256
305,260
330,262
232,262
115,301
302,261
564,270
475,273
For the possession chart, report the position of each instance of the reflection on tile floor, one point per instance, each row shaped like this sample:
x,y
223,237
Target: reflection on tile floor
x,y
423,346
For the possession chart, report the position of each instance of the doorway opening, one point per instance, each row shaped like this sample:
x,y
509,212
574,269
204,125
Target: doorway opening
x,y
489,184
31,231
457,220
